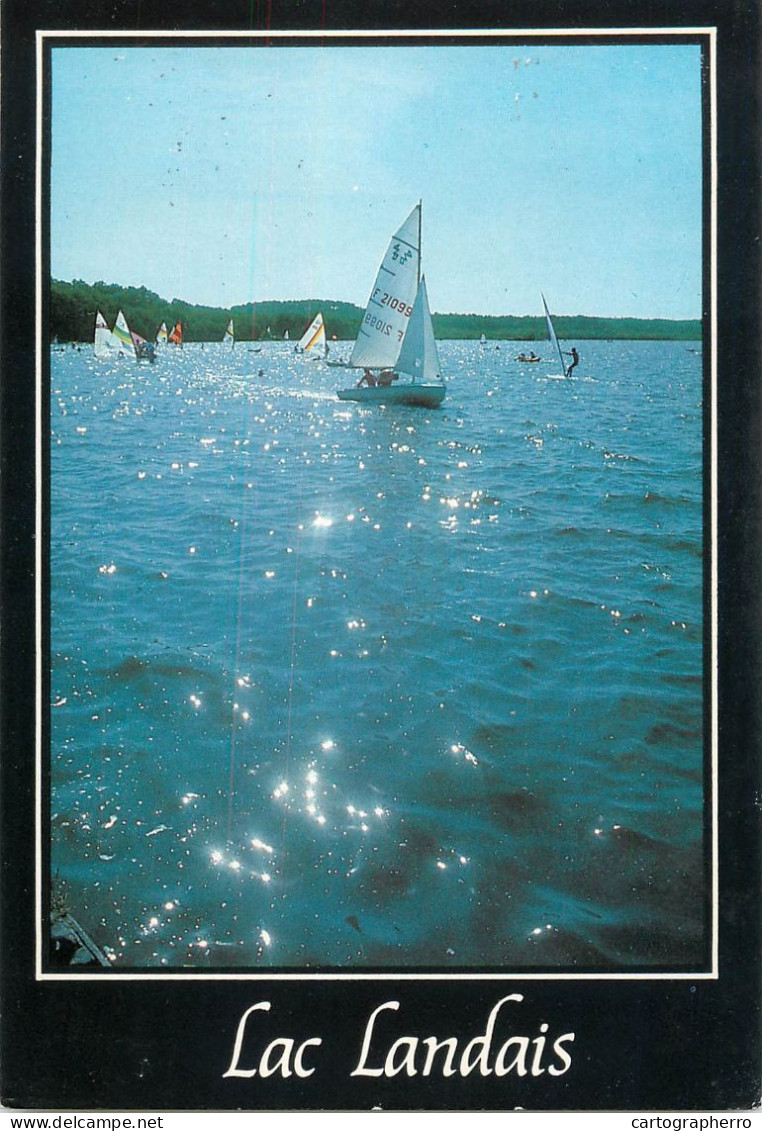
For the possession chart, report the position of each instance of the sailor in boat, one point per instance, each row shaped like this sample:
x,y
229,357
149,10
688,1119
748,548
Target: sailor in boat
x,y
386,376
575,359
367,379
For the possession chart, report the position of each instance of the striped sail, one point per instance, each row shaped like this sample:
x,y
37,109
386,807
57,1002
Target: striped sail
x,y
176,337
313,339
102,346
229,336
390,305
161,335
121,339
552,334
419,356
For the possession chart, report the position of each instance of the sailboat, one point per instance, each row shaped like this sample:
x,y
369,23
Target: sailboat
x,y
102,345
161,335
228,337
121,338
312,342
144,350
552,335
396,335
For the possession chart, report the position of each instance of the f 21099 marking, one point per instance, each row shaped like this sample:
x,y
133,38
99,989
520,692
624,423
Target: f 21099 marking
x,y
382,327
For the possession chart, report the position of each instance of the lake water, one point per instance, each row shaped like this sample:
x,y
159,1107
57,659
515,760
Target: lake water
x,y
386,687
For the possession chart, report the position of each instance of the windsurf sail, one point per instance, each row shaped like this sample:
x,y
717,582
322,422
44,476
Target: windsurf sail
x,y
229,335
161,335
552,334
390,305
176,335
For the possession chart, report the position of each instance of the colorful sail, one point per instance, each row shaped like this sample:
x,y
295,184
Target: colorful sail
x,y
121,339
102,345
161,335
176,336
552,334
390,305
419,356
229,336
313,340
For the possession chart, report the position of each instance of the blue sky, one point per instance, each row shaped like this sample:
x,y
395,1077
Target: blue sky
x,y
228,174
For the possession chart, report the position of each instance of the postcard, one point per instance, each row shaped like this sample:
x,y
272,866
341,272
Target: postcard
x,y
381,425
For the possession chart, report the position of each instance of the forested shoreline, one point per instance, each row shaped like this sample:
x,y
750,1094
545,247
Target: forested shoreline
x,y
73,306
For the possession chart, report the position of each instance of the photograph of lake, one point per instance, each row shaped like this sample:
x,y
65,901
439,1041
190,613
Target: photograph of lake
x,y
411,678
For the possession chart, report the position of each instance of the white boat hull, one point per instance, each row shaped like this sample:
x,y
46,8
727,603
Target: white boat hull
x,y
419,395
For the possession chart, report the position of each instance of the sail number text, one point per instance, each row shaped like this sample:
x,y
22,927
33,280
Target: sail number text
x,y
384,299
382,327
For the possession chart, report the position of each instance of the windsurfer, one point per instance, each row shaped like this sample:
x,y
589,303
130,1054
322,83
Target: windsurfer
x,y
575,360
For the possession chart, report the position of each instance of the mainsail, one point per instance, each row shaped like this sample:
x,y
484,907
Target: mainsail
x,y
552,334
121,339
313,339
419,356
390,305
102,345
229,336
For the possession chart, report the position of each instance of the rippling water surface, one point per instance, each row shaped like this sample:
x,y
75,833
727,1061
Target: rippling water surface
x,y
349,687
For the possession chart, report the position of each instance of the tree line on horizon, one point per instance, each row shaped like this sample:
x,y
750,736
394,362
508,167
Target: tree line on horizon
x,y
73,306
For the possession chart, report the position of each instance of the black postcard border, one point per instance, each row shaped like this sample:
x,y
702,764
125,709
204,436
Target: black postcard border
x,y
154,1044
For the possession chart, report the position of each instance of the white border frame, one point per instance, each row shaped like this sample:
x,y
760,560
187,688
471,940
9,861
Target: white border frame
x,y
485,36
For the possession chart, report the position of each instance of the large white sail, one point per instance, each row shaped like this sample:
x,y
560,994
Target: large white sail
x,y
229,336
102,345
312,340
419,356
121,339
552,334
390,305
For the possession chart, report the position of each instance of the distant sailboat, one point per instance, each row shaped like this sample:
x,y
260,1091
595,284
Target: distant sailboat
x,y
286,336
161,335
144,350
552,335
312,342
102,345
228,337
396,335
121,338
176,336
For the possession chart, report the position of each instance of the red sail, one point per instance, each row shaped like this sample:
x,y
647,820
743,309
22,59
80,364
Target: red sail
x,y
176,336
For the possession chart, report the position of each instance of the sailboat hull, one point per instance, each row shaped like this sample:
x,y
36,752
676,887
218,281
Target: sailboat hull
x,y
417,395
